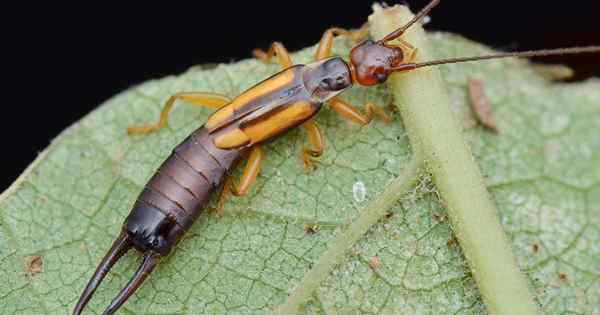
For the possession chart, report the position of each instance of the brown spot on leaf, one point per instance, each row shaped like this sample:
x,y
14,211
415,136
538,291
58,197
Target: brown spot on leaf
x,y
536,248
311,229
43,199
451,242
439,217
375,262
563,277
34,265
481,104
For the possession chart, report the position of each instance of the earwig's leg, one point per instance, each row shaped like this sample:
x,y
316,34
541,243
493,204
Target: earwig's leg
x,y
324,49
249,175
317,143
350,112
406,44
225,193
278,49
202,99
408,50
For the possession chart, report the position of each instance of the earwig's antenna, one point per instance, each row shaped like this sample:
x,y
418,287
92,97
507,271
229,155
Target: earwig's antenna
x,y
121,245
533,53
397,33
523,54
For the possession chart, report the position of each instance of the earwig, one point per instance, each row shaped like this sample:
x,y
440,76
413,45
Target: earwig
x,y
179,191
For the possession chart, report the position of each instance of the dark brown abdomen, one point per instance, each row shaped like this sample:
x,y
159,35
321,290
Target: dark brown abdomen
x,y
182,186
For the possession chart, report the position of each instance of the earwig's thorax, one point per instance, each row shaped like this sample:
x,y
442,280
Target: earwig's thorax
x,y
327,78
372,62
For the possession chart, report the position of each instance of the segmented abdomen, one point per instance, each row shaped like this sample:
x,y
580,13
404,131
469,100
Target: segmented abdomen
x,y
185,181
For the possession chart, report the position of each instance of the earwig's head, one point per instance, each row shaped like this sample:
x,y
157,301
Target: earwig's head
x,y
372,62
327,78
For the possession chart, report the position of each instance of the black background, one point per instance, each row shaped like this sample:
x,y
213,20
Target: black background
x,y
61,61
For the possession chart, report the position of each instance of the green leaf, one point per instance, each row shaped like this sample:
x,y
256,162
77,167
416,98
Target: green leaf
x,y
543,171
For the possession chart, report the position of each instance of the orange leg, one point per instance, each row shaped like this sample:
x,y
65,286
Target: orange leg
x,y
249,175
350,112
210,100
408,50
278,49
317,143
324,49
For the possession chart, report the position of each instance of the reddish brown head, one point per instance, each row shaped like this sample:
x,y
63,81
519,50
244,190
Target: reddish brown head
x,y
372,62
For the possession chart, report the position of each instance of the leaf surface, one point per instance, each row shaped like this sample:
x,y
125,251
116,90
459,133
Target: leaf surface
x,y
543,170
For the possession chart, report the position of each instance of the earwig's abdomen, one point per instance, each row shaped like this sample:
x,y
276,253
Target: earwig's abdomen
x,y
176,195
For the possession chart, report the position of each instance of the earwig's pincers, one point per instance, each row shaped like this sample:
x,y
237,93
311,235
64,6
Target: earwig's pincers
x,y
147,229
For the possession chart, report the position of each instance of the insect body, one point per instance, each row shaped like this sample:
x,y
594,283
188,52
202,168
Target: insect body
x,y
176,195
183,184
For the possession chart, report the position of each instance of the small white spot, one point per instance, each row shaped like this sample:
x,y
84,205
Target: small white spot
x,y
359,191
426,20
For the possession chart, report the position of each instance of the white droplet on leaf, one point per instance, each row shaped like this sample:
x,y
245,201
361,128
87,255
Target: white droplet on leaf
x,y
359,191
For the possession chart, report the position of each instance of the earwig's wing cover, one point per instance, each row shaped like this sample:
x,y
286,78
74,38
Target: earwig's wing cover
x,y
264,97
543,170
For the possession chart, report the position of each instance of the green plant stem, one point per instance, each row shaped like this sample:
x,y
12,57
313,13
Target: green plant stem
x,y
432,127
344,240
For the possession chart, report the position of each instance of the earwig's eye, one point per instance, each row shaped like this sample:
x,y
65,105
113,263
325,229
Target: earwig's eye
x,y
334,84
381,77
324,84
